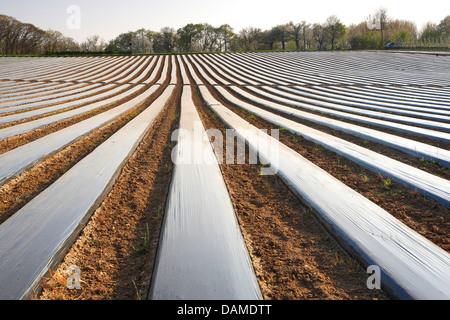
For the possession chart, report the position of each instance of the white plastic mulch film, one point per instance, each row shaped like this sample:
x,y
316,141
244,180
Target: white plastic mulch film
x,y
201,254
390,98
412,267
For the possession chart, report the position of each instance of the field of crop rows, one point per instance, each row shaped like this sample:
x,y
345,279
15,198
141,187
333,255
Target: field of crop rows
x,y
91,163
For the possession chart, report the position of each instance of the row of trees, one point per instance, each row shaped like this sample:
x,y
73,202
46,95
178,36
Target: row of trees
x,y
24,38
208,38
380,29
373,33
190,38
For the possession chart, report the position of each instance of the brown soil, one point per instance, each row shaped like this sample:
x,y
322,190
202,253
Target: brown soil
x,y
430,141
52,103
430,167
426,217
426,140
20,190
44,96
44,93
104,83
17,141
18,81
294,257
117,248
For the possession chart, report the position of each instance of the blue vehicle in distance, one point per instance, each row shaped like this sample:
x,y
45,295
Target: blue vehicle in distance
x,y
393,45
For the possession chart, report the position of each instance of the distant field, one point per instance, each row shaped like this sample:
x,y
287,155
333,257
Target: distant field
x,y
100,168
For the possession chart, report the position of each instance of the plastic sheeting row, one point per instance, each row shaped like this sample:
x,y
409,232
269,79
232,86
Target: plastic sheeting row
x,y
429,185
201,253
278,103
411,266
36,237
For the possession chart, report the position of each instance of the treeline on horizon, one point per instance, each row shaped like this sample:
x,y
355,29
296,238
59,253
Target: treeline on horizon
x,y
374,32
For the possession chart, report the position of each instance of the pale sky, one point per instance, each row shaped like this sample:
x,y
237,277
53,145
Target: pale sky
x,y
109,18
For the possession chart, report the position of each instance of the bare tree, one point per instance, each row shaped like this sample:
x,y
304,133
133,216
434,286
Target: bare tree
x,y
249,38
10,34
189,36
268,39
123,42
282,34
141,42
319,35
165,40
209,37
52,40
224,34
334,29
296,30
93,44
19,38
444,28
306,33
402,31
382,19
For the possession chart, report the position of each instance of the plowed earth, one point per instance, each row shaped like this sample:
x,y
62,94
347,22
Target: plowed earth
x,y
293,255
